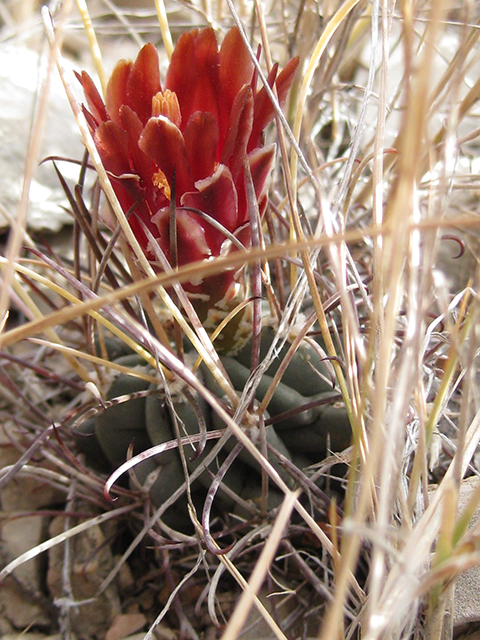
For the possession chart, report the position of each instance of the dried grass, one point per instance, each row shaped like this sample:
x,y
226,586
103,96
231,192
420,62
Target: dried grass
x,y
377,173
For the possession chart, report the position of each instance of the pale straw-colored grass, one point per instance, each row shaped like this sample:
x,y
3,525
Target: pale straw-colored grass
x,y
376,172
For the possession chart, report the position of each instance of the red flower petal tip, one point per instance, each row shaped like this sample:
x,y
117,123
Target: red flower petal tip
x,y
188,141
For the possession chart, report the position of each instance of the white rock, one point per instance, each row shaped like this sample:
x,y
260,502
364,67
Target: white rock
x,y
21,535
19,609
466,601
20,71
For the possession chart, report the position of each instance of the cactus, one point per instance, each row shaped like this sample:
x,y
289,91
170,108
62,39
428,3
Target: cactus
x,y
302,439
187,158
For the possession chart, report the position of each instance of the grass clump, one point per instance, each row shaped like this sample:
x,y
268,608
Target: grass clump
x,y
309,433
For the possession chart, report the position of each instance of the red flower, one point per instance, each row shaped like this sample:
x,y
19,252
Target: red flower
x,y
193,134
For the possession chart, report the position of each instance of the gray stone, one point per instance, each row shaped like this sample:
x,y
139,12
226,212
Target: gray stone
x,y
91,563
18,608
466,601
20,71
21,535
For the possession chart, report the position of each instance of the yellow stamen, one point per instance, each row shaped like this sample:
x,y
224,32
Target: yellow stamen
x,y
160,181
166,104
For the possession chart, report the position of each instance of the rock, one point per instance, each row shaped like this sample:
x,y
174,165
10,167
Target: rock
x,y
21,535
26,493
21,597
125,577
19,608
126,624
5,626
20,70
21,594
466,599
92,561
23,492
256,627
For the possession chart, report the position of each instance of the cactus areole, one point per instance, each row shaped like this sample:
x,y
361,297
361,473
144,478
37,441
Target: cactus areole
x,y
188,138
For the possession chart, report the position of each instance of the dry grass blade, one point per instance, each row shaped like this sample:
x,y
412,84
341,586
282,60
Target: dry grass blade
x,y
341,502
261,568
41,548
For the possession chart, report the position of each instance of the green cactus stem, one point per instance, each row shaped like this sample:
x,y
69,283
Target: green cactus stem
x,y
299,437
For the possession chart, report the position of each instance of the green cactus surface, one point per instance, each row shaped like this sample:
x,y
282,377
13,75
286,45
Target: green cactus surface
x,y
305,419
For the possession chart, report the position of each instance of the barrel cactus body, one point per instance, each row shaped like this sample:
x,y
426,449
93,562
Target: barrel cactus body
x,y
124,423
304,419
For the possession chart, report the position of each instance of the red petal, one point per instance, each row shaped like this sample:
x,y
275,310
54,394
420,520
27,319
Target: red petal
x,y
261,161
192,245
94,100
182,74
236,66
285,79
144,82
217,197
163,142
207,63
201,141
112,145
141,163
193,74
116,93
264,111
92,123
239,130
